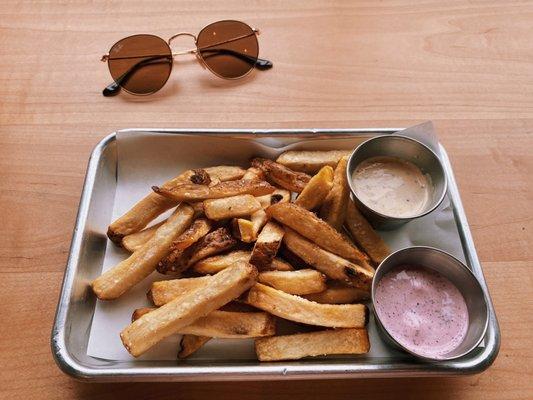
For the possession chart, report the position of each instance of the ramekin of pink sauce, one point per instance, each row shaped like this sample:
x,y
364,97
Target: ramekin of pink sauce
x,y
422,310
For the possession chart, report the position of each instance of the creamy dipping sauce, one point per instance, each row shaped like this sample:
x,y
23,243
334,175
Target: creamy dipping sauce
x,y
421,310
392,186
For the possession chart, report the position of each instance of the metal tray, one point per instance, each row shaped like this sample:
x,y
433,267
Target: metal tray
x,y
77,303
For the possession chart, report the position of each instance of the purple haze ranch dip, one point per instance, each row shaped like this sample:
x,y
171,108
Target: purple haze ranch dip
x,y
421,310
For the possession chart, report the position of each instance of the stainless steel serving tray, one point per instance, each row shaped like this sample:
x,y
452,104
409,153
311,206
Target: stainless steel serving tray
x,y
76,304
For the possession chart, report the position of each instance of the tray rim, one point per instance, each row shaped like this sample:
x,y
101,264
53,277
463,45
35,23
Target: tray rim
x,y
71,366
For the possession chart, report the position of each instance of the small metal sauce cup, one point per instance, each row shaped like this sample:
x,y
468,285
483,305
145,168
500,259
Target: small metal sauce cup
x,y
455,271
406,149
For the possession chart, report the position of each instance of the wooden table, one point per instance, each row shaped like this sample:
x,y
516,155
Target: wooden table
x,y
468,66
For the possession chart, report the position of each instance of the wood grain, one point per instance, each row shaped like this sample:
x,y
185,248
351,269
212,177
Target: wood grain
x,y
468,66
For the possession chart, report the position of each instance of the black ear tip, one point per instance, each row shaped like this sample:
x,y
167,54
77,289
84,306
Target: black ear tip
x,y
111,90
263,64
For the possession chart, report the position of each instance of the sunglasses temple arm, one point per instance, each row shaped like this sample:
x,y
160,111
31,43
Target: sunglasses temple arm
x,y
114,88
259,63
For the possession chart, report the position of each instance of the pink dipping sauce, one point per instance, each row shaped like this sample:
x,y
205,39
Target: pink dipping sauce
x,y
421,310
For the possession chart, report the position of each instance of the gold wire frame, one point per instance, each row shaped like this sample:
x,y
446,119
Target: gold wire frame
x,y
197,51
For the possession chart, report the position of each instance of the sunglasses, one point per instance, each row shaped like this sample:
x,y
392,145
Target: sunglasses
x,y
141,64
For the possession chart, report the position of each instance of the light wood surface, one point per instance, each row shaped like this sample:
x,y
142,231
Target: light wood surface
x,y
468,66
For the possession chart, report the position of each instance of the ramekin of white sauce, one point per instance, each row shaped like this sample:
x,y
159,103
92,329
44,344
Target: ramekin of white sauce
x,y
395,179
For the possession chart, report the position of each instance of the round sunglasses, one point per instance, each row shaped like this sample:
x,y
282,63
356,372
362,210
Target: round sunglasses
x,y
141,64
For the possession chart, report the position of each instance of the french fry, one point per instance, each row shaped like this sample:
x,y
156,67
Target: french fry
x,y
247,230
215,264
333,266
190,344
294,347
281,175
231,207
198,229
339,294
200,177
153,205
365,235
225,324
311,161
213,243
119,279
253,174
191,192
212,265
163,292
277,196
313,228
135,241
153,327
316,190
333,210
304,281
298,309
267,245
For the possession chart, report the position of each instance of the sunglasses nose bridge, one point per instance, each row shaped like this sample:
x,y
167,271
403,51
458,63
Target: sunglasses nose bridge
x,y
181,34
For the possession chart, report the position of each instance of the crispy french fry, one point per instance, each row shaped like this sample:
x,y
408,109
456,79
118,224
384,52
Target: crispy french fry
x,y
333,210
215,264
135,241
191,192
231,207
243,229
212,265
163,292
151,206
296,308
304,281
200,177
119,279
294,347
313,228
198,229
253,174
316,190
277,196
333,266
311,161
267,245
339,294
190,344
225,324
365,235
213,243
187,308
281,175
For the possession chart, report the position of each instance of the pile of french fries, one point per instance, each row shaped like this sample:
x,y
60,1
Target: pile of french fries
x,y
244,256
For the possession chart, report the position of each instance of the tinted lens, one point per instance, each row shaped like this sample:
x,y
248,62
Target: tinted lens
x,y
141,64
228,48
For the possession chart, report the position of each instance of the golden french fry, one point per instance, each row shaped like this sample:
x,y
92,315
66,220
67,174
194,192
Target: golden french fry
x,y
333,266
163,292
198,229
187,308
215,264
294,347
365,235
190,344
153,205
281,175
231,207
253,174
339,294
311,161
277,196
135,241
313,228
333,210
191,192
267,245
303,281
225,324
213,243
119,279
316,190
298,309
